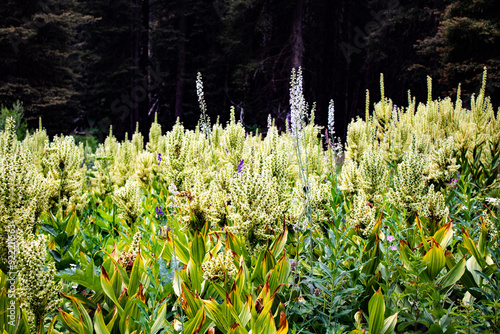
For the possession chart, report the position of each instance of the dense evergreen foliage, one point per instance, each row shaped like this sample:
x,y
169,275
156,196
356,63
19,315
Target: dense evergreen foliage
x,y
39,60
83,65
467,40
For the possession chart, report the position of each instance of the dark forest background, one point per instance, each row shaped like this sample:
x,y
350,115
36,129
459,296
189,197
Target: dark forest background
x,y
84,65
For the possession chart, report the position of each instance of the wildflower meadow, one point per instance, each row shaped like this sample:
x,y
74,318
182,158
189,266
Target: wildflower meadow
x,y
219,230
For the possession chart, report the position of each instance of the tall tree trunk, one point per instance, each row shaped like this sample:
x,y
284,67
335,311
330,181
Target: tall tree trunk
x,y
135,51
347,20
297,41
144,62
181,60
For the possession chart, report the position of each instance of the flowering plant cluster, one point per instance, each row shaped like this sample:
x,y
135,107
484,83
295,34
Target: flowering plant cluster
x,y
218,230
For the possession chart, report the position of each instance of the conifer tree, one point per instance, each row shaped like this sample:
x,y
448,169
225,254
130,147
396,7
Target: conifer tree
x,y
39,60
468,39
184,42
117,70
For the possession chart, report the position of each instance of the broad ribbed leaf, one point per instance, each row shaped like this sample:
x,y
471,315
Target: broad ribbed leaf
x,y
405,253
160,319
107,287
167,250
426,244
81,312
264,320
283,329
280,242
376,311
239,282
215,314
86,277
99,325
135,276
279,274
237,306
268,263
444,235
246,313
228,310
452,275
235,243
111,322
198,249
177,283
131,310
257,270
196,275
217,246
237,329
71,322
181,251
372,258
471,247
435,259
483,239
191,303
390,324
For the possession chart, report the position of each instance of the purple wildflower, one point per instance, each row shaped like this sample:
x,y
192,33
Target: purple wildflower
x,y
159,211
454,182
159,158
390,238
393,248
240,165
316,291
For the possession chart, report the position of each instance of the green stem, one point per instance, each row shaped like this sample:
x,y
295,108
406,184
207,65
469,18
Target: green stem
x,y
177,273
305,184
207,132
60,189
113,222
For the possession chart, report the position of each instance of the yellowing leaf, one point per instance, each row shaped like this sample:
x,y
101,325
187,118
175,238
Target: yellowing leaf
x,y
376,311
434,259
198,249
453,275
444,235
71,322
81,313
283,329
390,324
134,282
215,314
471,247
107,287
191,302
160,319
280,242
99,325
